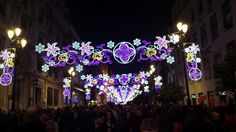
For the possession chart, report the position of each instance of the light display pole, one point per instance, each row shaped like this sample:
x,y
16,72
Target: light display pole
x,y
18,42
72,74
183,28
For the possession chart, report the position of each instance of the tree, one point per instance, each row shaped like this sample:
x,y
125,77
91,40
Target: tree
x,y
171,94
225,74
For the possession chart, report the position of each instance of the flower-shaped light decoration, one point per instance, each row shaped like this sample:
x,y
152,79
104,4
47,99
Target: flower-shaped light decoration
x,y
105,77
76,45
174,38
192,62
89,77
110,44
45,68
51,63
39,48
86,48
118,88
79,68
83,77
85,62
161,42
124,53
158,82
5,54
170,59
137,42
52,49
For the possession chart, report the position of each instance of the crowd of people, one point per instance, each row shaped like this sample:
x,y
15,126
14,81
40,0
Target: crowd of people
x,y
121,118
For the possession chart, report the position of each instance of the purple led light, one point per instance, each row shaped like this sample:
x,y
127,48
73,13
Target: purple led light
x,y
66,92
5,79
124,79
124,52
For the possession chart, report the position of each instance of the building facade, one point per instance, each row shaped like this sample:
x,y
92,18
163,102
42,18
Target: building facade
x,y
212,25
41,21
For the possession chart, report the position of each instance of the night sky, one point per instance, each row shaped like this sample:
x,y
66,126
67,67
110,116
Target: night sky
x,y
100,21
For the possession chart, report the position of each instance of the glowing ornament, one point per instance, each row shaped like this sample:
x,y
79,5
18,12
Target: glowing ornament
x,y
39,48
79,68
137,42
97,56
5,79
5,54
161,42
110,44
76,45
52,49
174,38
195,74
9,62
45,68
151,52
124,52
86,48
170,59
83,77
51,63
85,61
63,57
189,57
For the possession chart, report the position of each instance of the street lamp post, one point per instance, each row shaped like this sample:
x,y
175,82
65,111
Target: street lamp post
x,y
183,28
18,42
72,74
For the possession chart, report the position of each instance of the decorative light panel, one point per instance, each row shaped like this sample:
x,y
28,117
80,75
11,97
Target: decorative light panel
x,y
192,62
7,58
67,88
118,88
80,54
123,52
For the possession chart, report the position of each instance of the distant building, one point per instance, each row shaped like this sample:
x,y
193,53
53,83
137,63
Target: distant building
x,y
41,21
212,25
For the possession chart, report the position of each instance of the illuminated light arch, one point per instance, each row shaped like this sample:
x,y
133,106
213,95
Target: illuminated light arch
x,y
83,53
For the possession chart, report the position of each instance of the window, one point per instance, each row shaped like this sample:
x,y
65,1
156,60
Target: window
x,y
200,7
38,96
231,47
24,23
227,15
39,63
217,57
55,97
206,64
41,16
3,8
194,37
203,35
2,39
214,27
193,16
49,96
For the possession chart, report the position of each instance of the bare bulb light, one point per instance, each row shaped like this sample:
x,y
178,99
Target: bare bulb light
x,y
17,31
10,34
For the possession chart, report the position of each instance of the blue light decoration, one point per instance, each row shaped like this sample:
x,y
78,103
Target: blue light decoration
x,y
84,53
192,62
7,58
